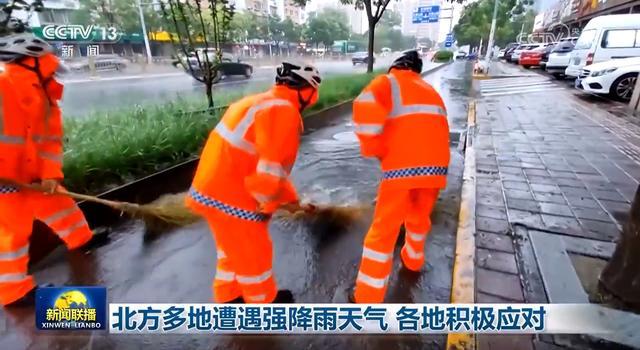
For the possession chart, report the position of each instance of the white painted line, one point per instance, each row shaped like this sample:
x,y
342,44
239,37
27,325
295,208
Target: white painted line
x,y
518,87
512,92
514,83
510,80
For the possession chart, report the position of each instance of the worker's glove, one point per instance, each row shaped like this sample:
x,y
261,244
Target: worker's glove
x,y
49,185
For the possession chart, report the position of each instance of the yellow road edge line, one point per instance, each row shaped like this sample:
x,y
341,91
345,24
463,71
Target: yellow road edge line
x,y
463,283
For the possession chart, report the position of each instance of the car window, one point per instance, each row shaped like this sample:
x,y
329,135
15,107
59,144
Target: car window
x,y
586,39
619,38
564,46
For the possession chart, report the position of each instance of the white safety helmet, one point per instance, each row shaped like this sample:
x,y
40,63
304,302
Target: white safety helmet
x,y
18,45
298,75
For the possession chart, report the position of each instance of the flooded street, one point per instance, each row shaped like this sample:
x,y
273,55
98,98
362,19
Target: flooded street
x,y
310,260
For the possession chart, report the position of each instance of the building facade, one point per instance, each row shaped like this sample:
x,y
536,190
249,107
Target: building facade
x,y
429,31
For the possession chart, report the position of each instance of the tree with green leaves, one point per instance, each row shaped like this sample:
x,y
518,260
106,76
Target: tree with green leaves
x,y
327,26
121,14
374,10
475,22
201,26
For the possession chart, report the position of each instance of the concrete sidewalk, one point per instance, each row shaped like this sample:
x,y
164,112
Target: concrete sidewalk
x,y
547,166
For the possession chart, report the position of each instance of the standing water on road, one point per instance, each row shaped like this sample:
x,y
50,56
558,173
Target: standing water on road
x,y
311,261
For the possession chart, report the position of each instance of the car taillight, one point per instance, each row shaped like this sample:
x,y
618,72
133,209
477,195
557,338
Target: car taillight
x,y
589,58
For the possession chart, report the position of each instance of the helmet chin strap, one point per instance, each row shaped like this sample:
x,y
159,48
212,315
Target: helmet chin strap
x,y
303,103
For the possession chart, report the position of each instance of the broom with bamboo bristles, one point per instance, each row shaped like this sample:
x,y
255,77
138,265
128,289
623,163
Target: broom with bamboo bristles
x,y
169,210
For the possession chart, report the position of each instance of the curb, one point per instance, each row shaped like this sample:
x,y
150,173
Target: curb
x,y
463,281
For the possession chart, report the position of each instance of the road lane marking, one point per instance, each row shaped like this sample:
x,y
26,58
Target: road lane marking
x,y
522,91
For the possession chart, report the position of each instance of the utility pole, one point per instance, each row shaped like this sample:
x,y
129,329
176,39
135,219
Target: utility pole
x,y
487,57
144,32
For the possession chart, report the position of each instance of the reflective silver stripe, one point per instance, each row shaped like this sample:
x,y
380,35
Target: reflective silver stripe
x,y
223,275
412,253
262,198
39,138
259,297
418,109
60,214
366,97
371,281
254,279
221,254
66,232
14,140
12,277
416,237
271,168
50,156
375,255
236,137
400,110
16,254
369,129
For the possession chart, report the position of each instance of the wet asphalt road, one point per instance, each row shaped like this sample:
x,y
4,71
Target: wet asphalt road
x,y
109,94
310,261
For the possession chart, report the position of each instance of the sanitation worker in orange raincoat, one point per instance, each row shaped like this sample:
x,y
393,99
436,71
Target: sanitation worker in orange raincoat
x,y
402,121
31,152
243,177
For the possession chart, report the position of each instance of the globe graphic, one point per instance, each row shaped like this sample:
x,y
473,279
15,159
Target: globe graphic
x,y
72,299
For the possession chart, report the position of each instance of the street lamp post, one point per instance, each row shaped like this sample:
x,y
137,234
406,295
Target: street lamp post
x,y
487,57
144,32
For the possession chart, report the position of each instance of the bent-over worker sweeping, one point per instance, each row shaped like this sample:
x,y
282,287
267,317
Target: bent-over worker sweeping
x,y
243,177
31,152
402,121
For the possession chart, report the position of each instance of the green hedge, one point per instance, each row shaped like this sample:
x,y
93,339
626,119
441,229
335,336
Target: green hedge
x,y
443,56
108,149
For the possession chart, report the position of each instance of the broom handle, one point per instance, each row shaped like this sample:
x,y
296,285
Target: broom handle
x,y
78,196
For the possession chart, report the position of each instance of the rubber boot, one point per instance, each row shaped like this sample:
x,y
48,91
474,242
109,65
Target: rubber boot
x,y
100,238
284,297
28,299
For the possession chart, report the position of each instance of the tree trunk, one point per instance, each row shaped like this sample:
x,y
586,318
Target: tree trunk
x,y
209,87
621,277
372,27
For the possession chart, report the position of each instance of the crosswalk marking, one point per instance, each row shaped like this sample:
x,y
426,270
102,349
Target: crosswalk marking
x,y
516,85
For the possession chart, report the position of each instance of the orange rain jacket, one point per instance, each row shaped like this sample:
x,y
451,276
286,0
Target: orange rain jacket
x,y
402,120
30,123
248,157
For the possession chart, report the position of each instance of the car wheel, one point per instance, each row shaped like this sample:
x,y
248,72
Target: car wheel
x,y
354,64
247,72
558,76
526,66
217,77
622,88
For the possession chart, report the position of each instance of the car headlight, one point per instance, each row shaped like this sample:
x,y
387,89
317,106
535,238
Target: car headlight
x,y
602,72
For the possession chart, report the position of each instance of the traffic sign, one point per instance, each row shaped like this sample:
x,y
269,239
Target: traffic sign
x,y
426,14
448,42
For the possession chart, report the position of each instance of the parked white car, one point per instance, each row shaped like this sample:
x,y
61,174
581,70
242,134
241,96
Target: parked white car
x,y
615,77
559,59
605,38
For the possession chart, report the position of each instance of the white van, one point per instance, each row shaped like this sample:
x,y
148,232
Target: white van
x,y
605,38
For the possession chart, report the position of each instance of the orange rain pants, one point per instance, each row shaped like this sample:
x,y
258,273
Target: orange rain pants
x,y
18,210
402,121
242,272
394,207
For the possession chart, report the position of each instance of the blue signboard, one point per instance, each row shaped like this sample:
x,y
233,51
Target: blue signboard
x,y
426,14
448,42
